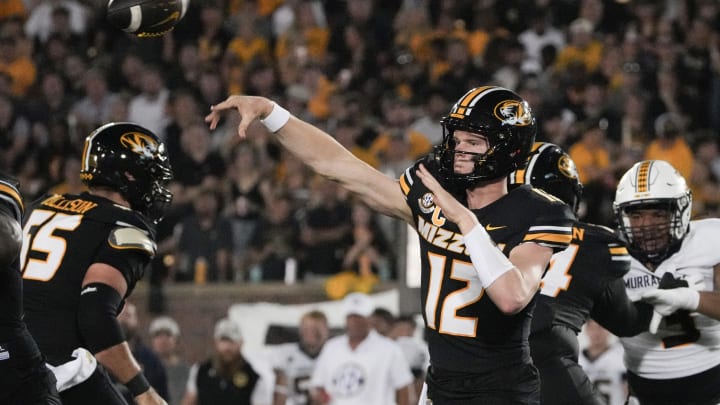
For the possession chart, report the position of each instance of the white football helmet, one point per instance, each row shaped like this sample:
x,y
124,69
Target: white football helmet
x,y
653,184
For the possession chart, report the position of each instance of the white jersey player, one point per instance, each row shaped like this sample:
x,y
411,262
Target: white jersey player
x,y
676,267
602,361
294,362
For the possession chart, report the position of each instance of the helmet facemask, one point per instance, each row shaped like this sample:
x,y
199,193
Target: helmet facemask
x,y
485,164
152,198
129,159
656,241
655,186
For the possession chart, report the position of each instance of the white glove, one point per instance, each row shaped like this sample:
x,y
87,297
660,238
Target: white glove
x,y
655,322
666,302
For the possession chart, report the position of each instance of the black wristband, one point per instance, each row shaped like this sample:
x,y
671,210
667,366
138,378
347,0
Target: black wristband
x,y
138,384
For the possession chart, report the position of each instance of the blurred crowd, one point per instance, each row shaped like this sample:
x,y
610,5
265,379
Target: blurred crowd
x,y
611,81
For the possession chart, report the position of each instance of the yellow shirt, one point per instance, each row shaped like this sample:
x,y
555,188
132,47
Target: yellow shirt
x,y
419,144
588,160
589,56
23,73
247,50
315,39
678,154
11,8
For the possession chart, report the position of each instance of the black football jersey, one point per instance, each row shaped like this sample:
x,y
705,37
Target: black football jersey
x,y
64,235
583,281
10,281
466,332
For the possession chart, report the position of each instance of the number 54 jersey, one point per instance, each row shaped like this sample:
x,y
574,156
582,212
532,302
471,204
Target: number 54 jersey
x,y
466,332
685,344
63,236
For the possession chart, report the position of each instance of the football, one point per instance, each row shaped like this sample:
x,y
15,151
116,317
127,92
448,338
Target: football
x,y
146,18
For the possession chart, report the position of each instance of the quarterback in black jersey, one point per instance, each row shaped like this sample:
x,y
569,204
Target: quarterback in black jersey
x,y
82,256
483,251
24,379
583,281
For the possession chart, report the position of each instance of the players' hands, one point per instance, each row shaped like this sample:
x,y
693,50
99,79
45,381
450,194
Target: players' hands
x,y
150,397
451,207
249,107
667,302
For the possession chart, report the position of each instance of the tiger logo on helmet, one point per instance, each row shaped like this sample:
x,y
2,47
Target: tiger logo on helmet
x,y
513,112
140,143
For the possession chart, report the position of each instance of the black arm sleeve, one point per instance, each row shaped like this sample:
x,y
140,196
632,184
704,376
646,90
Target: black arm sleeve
x,y
97,317
617,313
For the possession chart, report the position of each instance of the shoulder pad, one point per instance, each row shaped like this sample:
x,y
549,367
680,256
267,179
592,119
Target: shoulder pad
x,y
408,178
10,196
598,237
132,238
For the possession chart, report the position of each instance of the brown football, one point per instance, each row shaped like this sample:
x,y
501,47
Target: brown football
x,y
146,18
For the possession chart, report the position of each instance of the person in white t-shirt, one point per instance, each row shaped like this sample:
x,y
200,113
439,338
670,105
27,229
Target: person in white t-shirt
x,y
361,367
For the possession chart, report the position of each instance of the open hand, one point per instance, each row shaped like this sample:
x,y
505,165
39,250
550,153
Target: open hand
x,y
249,107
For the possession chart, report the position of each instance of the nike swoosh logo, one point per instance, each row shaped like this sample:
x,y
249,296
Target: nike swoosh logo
x,y
489,227
88,290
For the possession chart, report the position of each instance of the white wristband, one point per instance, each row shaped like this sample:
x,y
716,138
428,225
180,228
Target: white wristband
x,y
489,262
277,118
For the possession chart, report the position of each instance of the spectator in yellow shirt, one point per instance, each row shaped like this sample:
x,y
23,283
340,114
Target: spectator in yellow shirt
x,y
670,145
592,158
20,68
582,48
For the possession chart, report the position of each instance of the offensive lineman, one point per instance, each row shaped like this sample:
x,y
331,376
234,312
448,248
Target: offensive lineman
x,y
583,281
680,364
82,256
481,259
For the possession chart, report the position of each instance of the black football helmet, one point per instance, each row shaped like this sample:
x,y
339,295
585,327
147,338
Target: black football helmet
x,y
501,116
132,160
552,170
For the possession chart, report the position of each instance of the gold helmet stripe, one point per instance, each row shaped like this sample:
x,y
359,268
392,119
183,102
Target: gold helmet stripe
x,y
519,175
642,183
85,158
87,145
464,106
